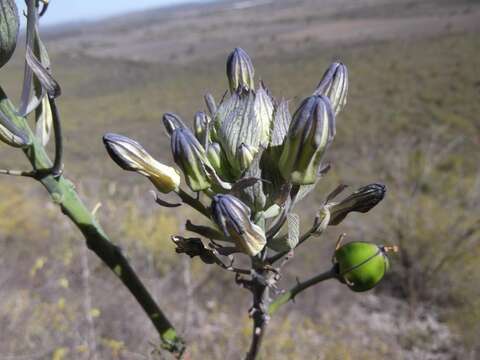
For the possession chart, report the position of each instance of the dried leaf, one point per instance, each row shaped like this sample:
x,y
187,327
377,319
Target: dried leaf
x,y
44,77
44,123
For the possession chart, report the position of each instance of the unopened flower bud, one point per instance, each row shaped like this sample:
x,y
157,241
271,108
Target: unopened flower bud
x,y
334,85
264,113
245,155
9,25
233,218
240,71
214,155
200,123
362,200
10,133
244,119
131,156
190,155
211,104
361,265
310,133
171,122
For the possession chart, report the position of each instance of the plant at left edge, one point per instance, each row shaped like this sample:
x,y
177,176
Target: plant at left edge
x,y
39,95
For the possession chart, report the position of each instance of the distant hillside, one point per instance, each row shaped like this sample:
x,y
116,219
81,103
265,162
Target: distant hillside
x,y
184,33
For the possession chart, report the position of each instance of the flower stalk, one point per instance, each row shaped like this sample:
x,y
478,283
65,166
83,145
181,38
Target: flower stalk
x,y
62,190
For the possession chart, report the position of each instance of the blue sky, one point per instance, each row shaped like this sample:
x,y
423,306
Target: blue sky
x,y
62,11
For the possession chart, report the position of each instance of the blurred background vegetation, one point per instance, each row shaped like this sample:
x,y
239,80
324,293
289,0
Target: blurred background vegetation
x,y
411,123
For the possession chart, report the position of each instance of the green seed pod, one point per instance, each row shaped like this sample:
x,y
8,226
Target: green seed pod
x,y
361,265
190,155
310,133
240,71
362,200
9,25
233,218
131,156
334,85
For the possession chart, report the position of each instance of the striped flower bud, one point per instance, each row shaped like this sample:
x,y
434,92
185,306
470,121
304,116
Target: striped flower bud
x,y
10,133
131,156
217,158
200,123
190,155
334,85
362,265
211,104
233,218
244,119
240,71
362,200
310,133
171,122
214,155
245,155
15,139
9,26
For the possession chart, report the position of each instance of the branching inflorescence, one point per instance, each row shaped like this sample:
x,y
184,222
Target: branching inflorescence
x,y
247,163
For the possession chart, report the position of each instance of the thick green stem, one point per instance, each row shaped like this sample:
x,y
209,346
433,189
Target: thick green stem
x,y
63,193
290,295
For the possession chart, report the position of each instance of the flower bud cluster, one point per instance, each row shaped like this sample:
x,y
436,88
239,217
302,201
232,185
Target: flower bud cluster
x,y
253,161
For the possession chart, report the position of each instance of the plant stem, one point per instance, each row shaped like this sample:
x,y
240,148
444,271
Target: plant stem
x,y
194,203
57,129
290,295
63,193
259,313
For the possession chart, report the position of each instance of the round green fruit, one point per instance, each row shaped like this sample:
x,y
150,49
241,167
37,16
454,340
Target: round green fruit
x,y
361,265
9,25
